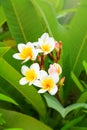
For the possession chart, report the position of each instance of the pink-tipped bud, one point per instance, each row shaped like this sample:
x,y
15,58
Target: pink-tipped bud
x,y
61,83
39,58
60,45
55,68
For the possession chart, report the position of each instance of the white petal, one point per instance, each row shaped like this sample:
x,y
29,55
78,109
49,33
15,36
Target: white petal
x,y
44,36
29,44
54,90
24,69
43,74
37,83
21,46
36,44
42,91
30,83
23,81
55,77
35,66
26,59
16,56
35,53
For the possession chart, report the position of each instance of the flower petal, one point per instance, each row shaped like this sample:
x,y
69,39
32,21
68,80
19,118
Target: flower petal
x,y
43,74
35,66
21,46
44,36
24,69
54,90
30,83
42,90
37,83
55,77
26,59
17,56
23,81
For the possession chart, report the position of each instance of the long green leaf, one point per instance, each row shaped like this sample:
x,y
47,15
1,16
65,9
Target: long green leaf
x,y
18,120
72,123
7,99
3,50
30,93
77,43
14,129
77,82
48,14
78,128
85,66
55,104
2,16
22,20
78,38
74,106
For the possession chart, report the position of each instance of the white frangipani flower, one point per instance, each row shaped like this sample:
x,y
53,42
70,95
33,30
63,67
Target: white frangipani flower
x,y
26,52
45,44
30,74
47,82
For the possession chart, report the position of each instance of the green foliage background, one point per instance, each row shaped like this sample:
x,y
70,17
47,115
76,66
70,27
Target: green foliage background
x,y
21,107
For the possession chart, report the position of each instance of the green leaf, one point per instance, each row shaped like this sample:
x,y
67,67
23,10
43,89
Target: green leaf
x,y
2,16
7,99
81,54
77,82
2,121
83,97
3,50
63,13
78,128
14,129
30,93
48,14
74,106
85,66
77,44
78,38
22,20
72,123
18,120
55,104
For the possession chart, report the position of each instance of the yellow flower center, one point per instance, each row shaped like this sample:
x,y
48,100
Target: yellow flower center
x,y
31,75
47,83
26,52
46,47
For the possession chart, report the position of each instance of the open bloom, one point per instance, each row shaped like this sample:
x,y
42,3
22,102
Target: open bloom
x,y
45,44
26,52
47,82
30,74
55,68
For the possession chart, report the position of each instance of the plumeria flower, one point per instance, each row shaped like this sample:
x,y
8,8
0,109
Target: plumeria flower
x,y
26,52
30,74
47,82
55,68
45,44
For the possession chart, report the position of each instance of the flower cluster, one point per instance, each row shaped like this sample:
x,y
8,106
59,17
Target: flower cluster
x,y
35,74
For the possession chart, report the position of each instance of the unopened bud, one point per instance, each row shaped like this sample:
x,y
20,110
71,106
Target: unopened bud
x,y
39,58
61,83
60,45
